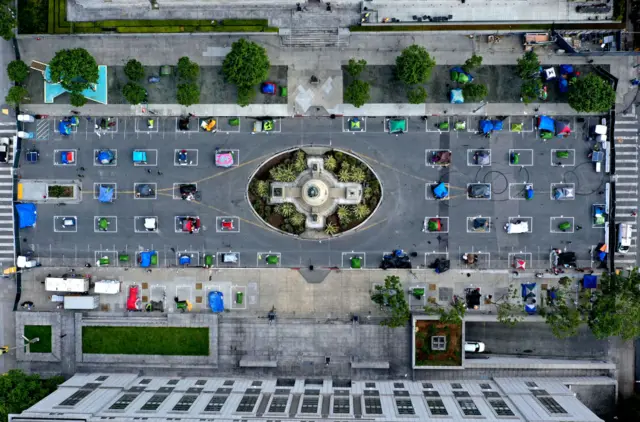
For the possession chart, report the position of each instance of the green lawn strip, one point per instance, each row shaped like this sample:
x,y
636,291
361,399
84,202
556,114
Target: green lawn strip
x,y
43,332
172,341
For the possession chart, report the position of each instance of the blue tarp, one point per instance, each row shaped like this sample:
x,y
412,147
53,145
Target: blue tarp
x,y
268,88
216,302
27,214
486,126
527,289
547,123
497,124
529,193
440,191
185,260
64,127
105,157
530,308
106,194
456,96
145,258
566,69
139,156
564,85
590,282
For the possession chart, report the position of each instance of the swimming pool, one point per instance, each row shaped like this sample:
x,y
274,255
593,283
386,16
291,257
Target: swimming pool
x,y
51,90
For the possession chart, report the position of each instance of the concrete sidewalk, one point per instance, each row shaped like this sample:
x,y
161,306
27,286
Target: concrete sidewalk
x,y
206,49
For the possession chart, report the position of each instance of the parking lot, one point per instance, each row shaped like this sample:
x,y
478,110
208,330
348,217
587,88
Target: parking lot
x,y
402,162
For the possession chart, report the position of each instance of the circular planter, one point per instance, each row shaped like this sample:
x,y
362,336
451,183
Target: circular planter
x,y
271,214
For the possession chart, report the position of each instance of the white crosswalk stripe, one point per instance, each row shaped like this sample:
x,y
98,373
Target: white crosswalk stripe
x,y
8,139
626,195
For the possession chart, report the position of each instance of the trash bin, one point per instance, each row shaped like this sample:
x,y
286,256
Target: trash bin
x,y
239,298
123,257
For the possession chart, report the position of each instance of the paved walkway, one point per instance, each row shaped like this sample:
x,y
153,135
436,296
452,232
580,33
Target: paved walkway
x,y
158,50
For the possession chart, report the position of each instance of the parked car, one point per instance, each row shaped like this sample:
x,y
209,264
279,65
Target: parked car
x,y
474,346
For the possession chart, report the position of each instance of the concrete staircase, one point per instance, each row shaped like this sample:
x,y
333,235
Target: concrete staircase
x,y
314,37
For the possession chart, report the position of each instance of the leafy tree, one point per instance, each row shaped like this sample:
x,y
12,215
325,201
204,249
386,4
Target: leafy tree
x,y
331,229
454,315
246,65
188,94
75,69
188,70
357,93
474,92
563,318
355,67
16,95
616,308
417,95
77,100
17,71
472,63
7,22
134,70
530,90
246,94
509,314
591,93
134,93
392,300
413,65
528,65
19,391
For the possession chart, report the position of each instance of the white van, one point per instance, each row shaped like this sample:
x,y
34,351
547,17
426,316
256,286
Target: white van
x,y
624,237
81,302
71,285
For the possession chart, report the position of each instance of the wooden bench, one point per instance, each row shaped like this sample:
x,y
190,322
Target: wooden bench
x,y
38,66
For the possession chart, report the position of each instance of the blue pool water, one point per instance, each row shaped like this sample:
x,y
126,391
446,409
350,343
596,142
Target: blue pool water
x,y
51,90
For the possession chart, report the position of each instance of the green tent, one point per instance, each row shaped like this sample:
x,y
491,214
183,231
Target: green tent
x,y
434,225
397,125
356,262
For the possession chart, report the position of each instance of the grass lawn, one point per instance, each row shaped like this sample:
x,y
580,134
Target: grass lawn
x,y
174,341
41,331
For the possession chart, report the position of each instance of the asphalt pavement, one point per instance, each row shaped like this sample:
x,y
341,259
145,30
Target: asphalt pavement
x,y
399,161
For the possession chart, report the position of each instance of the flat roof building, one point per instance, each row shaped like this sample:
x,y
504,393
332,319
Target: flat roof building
x,y
129,397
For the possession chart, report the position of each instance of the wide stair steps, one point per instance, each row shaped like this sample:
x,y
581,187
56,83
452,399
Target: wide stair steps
x,y
314,37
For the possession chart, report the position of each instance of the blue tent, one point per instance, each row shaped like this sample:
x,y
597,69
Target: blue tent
x,y
64,127
216,302
145,258
440,191
563,85
456,96
139,156
106,194
529,192
527,289
185,260
497,124
105,156
590,282
566,69
27,214
547,124
486,126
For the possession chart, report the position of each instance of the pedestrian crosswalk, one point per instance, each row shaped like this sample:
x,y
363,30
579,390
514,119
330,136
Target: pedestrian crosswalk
x,y
626,178
7,245
8,139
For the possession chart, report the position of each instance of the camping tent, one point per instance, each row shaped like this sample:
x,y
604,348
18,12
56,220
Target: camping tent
x,y
27,214
397,125
106,194
562,128
456,96
460,76
440,191
145,258
486,126
64,127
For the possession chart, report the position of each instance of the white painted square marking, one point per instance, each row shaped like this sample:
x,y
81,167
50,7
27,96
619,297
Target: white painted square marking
x,y
152,158
57,157
444,222
177,223
194,125
593,224
141,125
520,151
176,189
486,228
112,221
261,259
96,189
428,153
138,195
515,220
112,164
349,256
138,221
554,222
112,256
235,153
228,224
346,124
560,186
434,255
434,122
220,259
194,255
478,199
60,224
571,160
526,256
486,255
517,191
192,158
428,191
471,157
386,125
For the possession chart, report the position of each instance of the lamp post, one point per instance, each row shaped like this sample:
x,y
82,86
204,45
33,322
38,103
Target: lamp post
x,y
7,349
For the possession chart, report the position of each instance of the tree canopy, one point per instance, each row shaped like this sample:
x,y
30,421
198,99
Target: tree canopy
x,y
474,92
591,93
355,67
472,62
75,69
188,70
528,65
7,22
357,93
616,308
246,65
19,391
188,94
77,99
16,95
414,64
17,71
246,94
392,299
530,90
561,315
134,93
417,95
134,70
454,315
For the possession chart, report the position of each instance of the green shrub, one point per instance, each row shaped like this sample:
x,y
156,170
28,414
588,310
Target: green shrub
x,y
188,70
286,210
134,93
283,173
361,211
297,219
261,188
246,94
345,174
417,95
474,92
300,163
188,94
76,99
355,67
357,93
17,95
17,71
331,229
134,71
358,175
344,214
330,163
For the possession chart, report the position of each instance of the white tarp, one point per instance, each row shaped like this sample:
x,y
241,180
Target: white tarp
x,y
107,287
515,228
